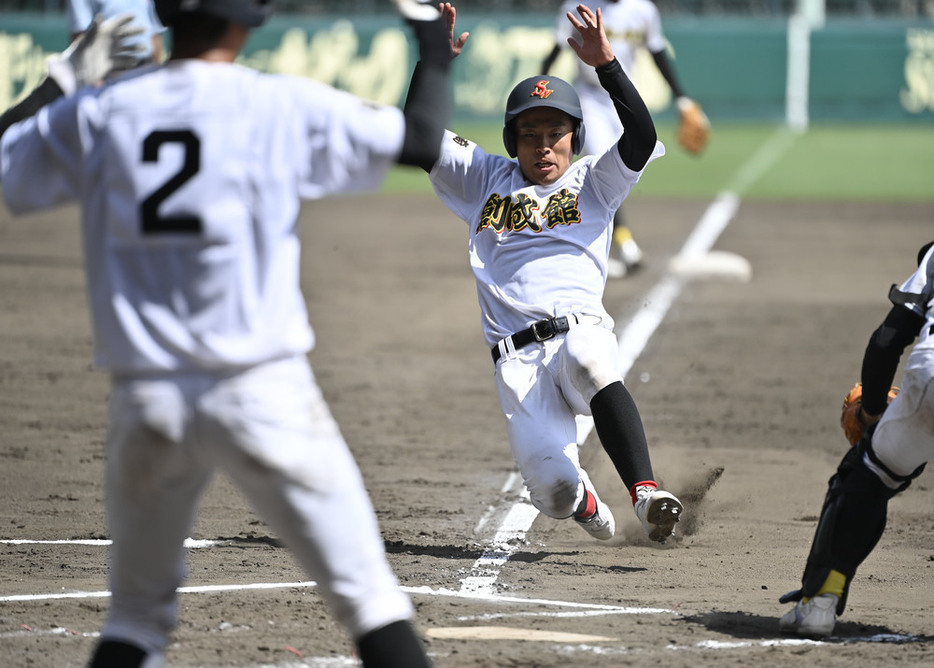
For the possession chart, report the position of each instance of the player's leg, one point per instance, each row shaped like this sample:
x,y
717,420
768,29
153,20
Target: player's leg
x,y
153,480
283,448
852,521
542,431
853,516
593,385
904,438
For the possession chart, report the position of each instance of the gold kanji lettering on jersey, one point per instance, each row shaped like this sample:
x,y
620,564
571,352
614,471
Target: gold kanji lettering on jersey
x,y
561,209
505,214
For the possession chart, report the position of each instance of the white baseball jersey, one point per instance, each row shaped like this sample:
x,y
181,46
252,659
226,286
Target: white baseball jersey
x,y
192,269
629,25
535,251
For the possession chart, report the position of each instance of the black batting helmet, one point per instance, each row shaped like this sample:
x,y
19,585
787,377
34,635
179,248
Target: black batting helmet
x,y
543,91
249,13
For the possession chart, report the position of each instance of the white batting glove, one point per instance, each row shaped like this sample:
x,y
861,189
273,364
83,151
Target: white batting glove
x,y
418,10
99,53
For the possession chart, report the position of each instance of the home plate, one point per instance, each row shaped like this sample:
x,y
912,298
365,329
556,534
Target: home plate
x,y
712,264
506,633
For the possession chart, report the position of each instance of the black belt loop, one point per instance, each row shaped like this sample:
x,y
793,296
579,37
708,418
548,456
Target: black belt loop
x,y
537,332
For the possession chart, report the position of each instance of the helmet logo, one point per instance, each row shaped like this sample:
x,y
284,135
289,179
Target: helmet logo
x,y
542,90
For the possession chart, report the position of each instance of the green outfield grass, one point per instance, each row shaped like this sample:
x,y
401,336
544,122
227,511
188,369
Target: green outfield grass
x,y
828,162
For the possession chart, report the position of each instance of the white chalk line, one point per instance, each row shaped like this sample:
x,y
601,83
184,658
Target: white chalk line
x,y
98,542
571,609
510,535
198,589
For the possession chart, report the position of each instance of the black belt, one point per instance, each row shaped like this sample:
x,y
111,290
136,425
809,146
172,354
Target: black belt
x,y
539,331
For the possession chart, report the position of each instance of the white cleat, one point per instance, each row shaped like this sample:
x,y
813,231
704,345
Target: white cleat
x,y
659,512
602,525
814,619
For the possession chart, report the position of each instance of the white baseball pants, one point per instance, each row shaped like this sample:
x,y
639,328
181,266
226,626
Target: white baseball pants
x,y
271,432
904,438
542,389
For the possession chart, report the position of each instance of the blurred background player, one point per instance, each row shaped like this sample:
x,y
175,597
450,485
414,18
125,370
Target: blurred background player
x,y
190,227
896,443
630,25
539,229
82,12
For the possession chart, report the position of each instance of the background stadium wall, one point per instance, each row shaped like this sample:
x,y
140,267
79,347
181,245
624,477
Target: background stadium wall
x,y
879,70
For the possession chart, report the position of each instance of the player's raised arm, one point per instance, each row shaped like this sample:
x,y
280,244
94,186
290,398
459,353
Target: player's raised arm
x,y
428,105
100,52
637,143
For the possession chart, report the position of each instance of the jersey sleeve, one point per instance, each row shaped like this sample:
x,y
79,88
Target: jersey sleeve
x,y
654,36
40,158
461,175
352,143
614,180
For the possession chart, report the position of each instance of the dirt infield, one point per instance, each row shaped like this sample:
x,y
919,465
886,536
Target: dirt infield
x,y
739,387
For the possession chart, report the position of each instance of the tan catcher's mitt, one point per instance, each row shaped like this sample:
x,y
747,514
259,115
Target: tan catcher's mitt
x,y
852,419
693,127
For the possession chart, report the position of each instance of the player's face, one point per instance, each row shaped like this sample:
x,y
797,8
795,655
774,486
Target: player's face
x,y
543,144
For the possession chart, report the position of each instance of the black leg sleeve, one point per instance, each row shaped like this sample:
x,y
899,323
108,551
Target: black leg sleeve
x,y
619,427
392,646
117,654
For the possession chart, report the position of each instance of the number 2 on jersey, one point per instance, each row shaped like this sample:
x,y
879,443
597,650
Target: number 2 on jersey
x,y
153,221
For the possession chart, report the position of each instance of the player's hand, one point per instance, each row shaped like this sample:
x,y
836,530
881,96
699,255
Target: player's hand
x,y
101,52
433,26
448,15
594,49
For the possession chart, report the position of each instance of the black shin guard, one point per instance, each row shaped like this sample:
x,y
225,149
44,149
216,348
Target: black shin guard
x,y
851,523
619,427
392,646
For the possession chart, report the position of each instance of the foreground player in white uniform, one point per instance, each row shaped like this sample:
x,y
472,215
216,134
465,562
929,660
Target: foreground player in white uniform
x,y
898,442
539,230
630,25
189,175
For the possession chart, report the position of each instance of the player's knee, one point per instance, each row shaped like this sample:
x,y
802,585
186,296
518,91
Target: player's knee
x,y
556,497
870,461
592,360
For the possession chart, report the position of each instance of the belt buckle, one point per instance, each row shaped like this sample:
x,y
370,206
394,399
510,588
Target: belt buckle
x,y
549,327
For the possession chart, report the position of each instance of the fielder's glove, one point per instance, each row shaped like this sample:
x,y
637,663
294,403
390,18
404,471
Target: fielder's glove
x,y
693,126
99,53
853,420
